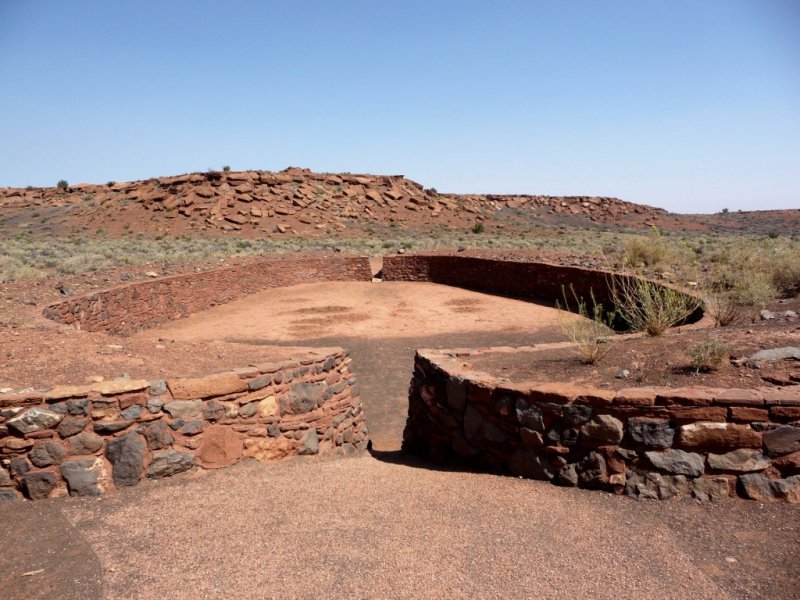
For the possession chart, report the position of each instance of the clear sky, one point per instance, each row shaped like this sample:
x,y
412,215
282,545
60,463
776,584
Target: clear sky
x,y
692,105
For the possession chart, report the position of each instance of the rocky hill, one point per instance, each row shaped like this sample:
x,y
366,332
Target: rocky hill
x,y
300,202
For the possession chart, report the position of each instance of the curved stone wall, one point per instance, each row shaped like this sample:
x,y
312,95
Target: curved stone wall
x,y
643,442
528,280
87,440
126,309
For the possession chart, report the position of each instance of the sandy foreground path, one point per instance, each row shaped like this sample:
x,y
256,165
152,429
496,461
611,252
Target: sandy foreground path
x,y
371,527
385,525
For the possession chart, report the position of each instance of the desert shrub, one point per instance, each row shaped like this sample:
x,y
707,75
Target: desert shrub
x,y
785,271
62,184
755,271
226,168
478,227
646,251
708,354
722,307
753,289
648,306
588,333
13,269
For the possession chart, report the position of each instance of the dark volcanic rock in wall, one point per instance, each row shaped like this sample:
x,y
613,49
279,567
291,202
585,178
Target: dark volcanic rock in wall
x,y
166,463
536,466
71,426
84,477
529,415
757,487
576,414
783,440
126,455
305,397
651,433
477,428
47,453
309,444
38,485
9,495
739,461
5,478
677,462
158,435
568,475
592,471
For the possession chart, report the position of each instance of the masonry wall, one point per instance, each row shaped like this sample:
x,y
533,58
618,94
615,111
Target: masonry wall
x,y
643,442
128,308
519,279
88,440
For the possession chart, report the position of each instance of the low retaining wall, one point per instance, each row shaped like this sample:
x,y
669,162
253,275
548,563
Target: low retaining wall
x,y
128,308
644,442
527,280
86,440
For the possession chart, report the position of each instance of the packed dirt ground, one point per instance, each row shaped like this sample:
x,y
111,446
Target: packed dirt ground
x,y
305,528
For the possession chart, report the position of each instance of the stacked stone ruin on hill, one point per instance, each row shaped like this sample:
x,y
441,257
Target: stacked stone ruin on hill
x,y
300,201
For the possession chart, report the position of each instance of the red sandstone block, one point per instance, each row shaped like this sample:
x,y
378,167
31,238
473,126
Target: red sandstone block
x,y
690,414
644,396
739,397
219,384
686,397
21,399
247,372
746,414
522,388
595,397
626,412
127,400
554,392
783,396
785,413
718,436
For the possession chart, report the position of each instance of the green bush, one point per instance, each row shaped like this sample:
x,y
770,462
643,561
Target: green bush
x,y
708,354
62,184
648,306
478,227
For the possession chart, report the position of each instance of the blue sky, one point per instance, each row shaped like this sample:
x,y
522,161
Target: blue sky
x,y
691,106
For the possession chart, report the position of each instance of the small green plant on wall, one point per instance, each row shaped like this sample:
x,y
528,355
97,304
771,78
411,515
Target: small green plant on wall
x,y
590,330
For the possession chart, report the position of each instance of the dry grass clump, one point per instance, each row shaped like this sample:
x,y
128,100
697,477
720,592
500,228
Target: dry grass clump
x,y
755,271
589,332
648,306
708,354
723,309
